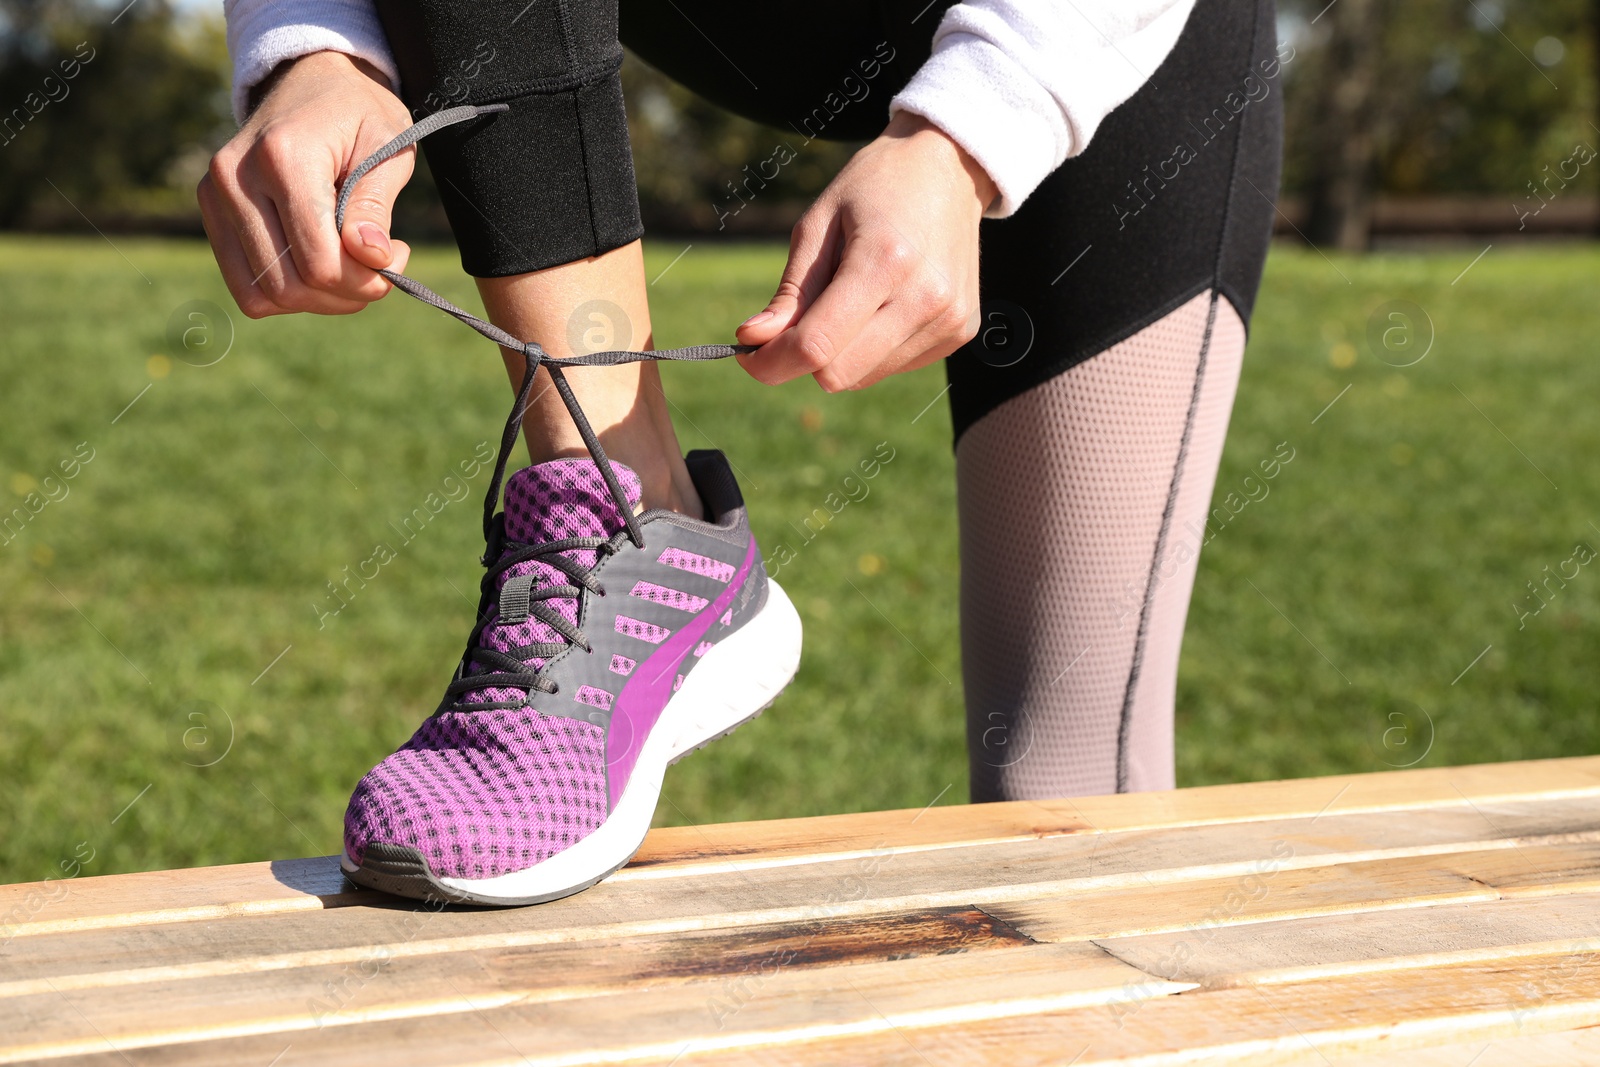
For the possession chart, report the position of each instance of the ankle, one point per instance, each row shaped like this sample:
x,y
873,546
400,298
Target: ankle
x,y
684,497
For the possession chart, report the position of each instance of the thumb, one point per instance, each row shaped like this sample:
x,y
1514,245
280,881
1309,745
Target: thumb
x,y
368,214
805,276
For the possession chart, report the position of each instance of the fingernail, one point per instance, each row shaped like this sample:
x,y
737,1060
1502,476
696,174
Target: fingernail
x,y
758,317
373,237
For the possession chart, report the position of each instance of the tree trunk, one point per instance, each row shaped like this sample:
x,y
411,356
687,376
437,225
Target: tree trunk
x,y
1346,115
1594,44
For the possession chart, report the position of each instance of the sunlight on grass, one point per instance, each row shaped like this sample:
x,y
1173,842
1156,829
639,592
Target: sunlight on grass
x,y
179,613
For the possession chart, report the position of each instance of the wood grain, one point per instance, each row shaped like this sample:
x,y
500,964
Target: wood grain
x,y
1296,950
1566,1048
1364,919
176,896
314,884
1309,797
1298,1024
1278,893
721,896
557,999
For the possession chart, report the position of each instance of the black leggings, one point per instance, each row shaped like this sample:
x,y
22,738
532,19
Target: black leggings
x,y
552,181
1170,204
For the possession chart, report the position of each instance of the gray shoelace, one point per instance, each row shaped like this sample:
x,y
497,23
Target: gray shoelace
x,y
503,670
533,355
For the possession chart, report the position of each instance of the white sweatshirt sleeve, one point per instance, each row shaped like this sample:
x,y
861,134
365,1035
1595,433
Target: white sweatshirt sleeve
x,y
1023,84
1020,84
264,33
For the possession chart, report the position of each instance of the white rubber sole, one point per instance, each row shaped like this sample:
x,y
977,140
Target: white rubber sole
x,y
731,685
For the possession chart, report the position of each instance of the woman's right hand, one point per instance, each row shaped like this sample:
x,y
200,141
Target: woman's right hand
x,y
268,198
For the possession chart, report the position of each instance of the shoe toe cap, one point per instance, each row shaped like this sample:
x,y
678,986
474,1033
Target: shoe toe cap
x,y
488,808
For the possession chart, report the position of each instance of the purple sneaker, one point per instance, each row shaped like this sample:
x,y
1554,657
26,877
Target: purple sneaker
x,y
608,646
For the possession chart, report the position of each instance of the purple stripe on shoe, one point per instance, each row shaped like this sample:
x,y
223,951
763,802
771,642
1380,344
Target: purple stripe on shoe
x,y
704,566
672,598
644,696
644,631
595,698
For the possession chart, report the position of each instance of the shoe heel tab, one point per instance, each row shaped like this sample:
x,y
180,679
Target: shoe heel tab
x,y
713,477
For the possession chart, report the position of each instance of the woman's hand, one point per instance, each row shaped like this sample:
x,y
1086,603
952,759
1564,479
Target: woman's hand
x,y
883,268
268,198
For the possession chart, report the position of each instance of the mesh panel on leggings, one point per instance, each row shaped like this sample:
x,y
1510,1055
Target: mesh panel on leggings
x,y
1062,492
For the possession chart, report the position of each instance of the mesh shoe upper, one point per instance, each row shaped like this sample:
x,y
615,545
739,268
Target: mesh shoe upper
x,y
482,793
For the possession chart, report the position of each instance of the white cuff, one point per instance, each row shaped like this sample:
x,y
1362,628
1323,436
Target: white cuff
x,y
1024,84
974,93
265,33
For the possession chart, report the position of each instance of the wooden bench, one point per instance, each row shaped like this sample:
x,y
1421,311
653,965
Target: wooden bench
x,y
1441,916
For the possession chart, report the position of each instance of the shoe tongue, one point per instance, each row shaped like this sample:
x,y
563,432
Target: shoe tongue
x,y
565,498
551,502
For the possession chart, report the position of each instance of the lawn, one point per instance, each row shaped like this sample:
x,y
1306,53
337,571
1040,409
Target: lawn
x,y
176,689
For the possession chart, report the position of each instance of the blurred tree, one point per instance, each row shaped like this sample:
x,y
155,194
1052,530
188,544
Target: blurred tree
x,y
111,115
1432,97
1404,97
1342,130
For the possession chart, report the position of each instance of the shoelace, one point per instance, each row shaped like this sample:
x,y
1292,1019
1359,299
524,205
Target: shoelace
x,y
510,670
501,553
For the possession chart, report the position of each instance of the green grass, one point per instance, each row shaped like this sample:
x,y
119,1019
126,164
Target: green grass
x,y
140,610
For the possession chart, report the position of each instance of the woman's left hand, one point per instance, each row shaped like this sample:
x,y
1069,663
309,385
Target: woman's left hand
x,y
883,268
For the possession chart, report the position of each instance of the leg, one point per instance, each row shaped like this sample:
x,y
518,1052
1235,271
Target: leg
x,y
607,643
542,203
1085,467
1080,501
626,404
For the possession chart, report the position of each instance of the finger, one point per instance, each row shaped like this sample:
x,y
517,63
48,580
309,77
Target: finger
x,y
930,342
297,178
938,317
813,255
253,219
368,215
830,324
882,337
402,256
230,255
302,189
273,266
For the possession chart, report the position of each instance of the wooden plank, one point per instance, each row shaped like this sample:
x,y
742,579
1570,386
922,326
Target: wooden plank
x,y
1272,893
313,884
1480,784
572,993
854,834
1018,820
1300,950
1496,874
1316,1024
175,896
1568,1048
1275,893
726,895
787,1024
560,971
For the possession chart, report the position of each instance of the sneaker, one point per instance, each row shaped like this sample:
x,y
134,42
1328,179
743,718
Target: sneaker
x,y
609,645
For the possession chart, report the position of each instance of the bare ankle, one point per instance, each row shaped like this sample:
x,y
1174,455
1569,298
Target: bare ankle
x,y
625,404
